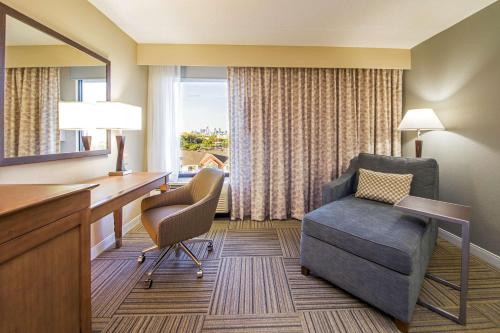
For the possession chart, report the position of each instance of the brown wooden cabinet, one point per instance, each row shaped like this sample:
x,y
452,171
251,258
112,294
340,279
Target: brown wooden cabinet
x,y
44,258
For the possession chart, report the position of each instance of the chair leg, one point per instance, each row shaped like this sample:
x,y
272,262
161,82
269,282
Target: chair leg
x,y
142,257
193,258
210,242
177,250
149,281
402,326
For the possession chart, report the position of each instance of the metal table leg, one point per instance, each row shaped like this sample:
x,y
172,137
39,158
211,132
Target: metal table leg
x,y
464,274
464,283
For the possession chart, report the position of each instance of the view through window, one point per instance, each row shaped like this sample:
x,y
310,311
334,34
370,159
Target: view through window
x,y
204,125
92,91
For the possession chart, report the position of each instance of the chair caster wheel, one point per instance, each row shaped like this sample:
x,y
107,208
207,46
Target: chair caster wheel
x,y
210,247
141,259
148,283
199,274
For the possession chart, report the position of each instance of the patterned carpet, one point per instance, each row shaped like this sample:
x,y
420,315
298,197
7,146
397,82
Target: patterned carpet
x,y
252,283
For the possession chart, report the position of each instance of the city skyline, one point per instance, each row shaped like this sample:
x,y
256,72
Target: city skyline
x,y
207,130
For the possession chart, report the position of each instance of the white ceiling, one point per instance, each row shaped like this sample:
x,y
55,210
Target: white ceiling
x,y
350,23
18,33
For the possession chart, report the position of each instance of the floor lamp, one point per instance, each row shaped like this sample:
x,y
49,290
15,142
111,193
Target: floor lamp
x,y
420,120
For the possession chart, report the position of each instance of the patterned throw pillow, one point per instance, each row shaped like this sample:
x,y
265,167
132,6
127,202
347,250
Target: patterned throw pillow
x,y
384,187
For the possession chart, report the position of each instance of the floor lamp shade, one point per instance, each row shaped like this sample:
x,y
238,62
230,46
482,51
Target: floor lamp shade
x,y
420,120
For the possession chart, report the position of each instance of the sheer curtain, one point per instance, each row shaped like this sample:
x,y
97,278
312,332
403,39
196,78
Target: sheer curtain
x,y
294,129
163,143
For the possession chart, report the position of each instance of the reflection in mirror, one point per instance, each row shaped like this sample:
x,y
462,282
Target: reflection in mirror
x,y
41,71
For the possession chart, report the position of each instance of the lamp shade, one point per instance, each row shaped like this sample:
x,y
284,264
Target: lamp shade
x,y
100,115
76,115
420,119
116,115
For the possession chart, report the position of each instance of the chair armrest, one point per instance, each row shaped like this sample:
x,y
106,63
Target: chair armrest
x,y
340,187
179,196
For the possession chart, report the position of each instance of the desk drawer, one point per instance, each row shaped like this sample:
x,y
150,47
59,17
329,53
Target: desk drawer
x,y
40,278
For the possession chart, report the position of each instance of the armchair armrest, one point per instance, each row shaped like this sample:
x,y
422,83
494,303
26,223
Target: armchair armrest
x,y
340,187
179,196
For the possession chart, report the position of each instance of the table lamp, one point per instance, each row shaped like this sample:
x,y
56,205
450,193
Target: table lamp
x,y
77,116
118,116
420,120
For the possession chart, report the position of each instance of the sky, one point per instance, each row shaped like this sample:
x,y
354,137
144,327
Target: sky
x,y
204,104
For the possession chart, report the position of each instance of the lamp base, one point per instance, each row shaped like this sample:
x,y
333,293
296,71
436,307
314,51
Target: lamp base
x,y
120,166
87,142
119,173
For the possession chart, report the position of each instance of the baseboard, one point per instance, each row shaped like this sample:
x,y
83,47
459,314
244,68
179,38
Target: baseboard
x,y
485,255
110,240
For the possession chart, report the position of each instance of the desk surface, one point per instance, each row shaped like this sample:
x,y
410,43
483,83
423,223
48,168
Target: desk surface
x,y
111,187
435,209
16,197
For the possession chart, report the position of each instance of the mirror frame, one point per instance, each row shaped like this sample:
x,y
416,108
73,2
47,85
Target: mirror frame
x,y
4,11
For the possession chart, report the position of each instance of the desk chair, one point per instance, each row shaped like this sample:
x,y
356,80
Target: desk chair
x,y
176,217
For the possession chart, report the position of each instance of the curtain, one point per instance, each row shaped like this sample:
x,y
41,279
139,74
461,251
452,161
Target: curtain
x,y
31,111
294,129
163,143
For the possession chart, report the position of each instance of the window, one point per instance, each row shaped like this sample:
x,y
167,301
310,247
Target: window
x,y
90,91
203,110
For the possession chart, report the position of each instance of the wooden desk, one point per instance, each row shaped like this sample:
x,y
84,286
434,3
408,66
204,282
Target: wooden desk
x,y
44,258
44,236
114,192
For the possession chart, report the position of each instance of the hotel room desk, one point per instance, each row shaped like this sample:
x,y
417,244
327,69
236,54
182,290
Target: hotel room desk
x,y
45,248
44,258
114,192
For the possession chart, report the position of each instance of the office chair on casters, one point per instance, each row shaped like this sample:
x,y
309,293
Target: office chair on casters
x,y
176,217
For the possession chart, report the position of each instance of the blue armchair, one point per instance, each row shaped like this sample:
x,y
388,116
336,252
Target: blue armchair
x,y
368,248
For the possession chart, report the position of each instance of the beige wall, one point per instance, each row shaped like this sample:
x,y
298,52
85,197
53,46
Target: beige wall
x,y
80,21
457,72
272,56
47,56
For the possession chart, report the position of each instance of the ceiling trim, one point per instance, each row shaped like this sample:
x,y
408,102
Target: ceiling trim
x,y
272,56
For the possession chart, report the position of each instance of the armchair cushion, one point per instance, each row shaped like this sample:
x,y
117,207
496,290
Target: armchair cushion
x,y
371,230
382,186
425,171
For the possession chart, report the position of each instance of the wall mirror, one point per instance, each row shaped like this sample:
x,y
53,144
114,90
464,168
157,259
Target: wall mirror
x,y
40,69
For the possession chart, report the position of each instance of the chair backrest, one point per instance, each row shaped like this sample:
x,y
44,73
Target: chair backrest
x,y
206,184
425,171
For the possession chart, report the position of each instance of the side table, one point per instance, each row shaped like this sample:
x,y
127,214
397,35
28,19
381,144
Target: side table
x,y
453,213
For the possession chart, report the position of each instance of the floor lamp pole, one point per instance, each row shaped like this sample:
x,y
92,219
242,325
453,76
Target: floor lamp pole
x,y
418,145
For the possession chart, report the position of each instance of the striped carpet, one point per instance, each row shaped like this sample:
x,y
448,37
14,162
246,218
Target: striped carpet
x,y
252,283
